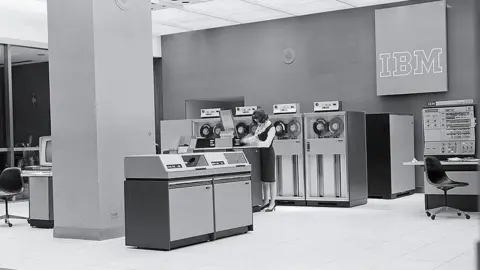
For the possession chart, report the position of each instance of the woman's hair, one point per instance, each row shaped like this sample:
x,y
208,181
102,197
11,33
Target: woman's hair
x,y
260,115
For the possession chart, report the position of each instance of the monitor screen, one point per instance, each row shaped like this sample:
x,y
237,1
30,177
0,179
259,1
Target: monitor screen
x,y
48,152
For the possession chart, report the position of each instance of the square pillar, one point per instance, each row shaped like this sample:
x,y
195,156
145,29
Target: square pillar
x,y
102,109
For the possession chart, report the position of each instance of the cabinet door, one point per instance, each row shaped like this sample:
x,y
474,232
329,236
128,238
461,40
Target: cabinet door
x,y
253,157
233,205
191,211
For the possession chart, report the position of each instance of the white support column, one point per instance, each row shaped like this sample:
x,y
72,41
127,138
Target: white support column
x,y
102,109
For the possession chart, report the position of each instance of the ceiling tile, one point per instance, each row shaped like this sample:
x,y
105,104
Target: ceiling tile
x,y
363,3
257,16
223,8
304,7
184,19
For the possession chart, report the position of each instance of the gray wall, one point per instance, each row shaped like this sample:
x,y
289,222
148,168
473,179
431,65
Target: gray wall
x,y
193,108
335,61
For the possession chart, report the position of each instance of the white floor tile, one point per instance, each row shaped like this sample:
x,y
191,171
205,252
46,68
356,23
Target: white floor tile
x,y
382,235
461,262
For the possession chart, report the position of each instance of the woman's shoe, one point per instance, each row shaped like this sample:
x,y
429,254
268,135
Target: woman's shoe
x,y
271,209
265,206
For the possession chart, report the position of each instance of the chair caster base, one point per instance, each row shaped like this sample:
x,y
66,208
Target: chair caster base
x,y
429,214
467,216
433,217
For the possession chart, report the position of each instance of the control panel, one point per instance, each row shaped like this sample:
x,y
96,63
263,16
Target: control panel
x,y
245,111
326,106
286,108
449,130
209,113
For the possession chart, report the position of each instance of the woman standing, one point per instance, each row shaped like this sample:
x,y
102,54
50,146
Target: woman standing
x,y
263,139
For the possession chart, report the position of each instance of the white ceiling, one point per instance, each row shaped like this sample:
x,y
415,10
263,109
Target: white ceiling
x,y
187,15
27,19
219,13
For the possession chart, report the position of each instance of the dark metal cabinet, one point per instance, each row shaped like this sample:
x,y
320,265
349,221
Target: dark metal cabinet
x,y
253,157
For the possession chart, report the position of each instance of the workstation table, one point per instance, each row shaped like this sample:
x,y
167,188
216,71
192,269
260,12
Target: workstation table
x,y
464,198
40,198
176,200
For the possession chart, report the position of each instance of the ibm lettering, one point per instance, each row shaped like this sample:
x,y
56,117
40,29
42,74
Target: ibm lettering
x,y
417,62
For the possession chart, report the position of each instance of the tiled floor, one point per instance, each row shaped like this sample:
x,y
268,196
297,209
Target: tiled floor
x,y
383,235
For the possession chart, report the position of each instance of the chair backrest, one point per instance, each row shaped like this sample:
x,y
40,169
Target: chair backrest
x,y
11,180
435,170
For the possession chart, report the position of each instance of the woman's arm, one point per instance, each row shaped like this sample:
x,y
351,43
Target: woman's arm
x,y
268,140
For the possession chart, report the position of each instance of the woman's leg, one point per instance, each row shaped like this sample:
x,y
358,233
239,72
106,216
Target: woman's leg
x,y
266,192
273,194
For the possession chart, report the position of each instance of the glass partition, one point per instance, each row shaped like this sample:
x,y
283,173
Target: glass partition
x,y
31,102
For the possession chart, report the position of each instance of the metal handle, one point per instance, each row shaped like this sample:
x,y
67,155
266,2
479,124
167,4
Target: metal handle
x,y
247,183
207,188
240,176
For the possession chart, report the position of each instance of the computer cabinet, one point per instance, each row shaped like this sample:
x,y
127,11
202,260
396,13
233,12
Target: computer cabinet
x,y
390,142
232,201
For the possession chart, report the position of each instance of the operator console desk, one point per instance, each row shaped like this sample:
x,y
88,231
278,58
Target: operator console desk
x,y
40,196
464,198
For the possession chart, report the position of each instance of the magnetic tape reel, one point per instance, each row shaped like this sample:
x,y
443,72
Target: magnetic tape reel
x,y
206,131
242,129
217,129
336,126
280,128
320,127
294,128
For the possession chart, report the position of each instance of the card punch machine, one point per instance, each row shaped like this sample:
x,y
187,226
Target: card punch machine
x,y
226,138
176,200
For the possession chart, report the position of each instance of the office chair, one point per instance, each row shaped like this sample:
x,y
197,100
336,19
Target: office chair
x,y
11,185
437,177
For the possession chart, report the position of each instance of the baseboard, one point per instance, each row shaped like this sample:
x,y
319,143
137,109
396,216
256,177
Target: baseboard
x,y
420,190
89,234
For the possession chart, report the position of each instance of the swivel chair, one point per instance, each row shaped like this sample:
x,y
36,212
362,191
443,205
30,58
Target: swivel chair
x,y
437,177
11,185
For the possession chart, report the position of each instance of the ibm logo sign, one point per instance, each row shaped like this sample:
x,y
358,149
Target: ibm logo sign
x,y
418,62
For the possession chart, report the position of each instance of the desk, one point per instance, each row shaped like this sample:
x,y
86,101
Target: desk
x,y
20,149
445,163
463,198
41,198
